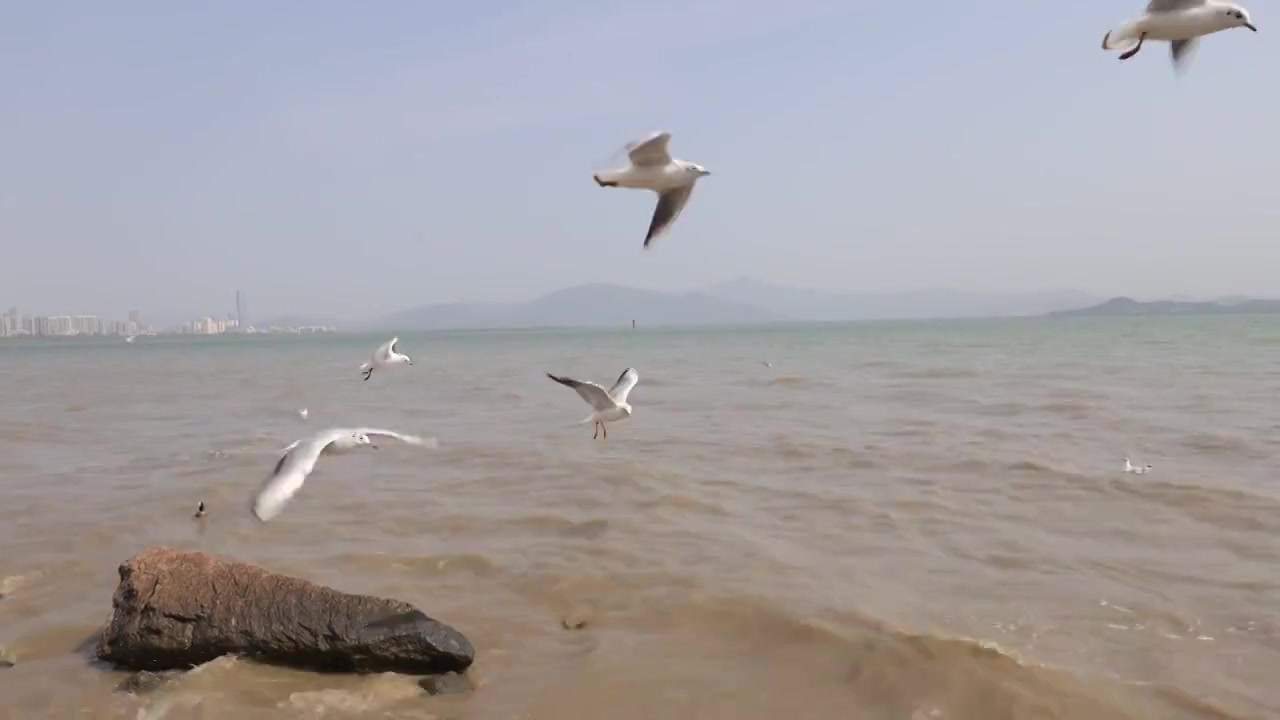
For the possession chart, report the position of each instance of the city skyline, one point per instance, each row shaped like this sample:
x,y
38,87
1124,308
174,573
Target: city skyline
x,y
14,323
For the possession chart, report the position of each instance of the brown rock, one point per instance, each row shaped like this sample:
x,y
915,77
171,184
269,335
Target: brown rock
x,y
175,609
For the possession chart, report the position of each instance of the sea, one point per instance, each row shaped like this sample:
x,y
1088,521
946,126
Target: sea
x,y
880,521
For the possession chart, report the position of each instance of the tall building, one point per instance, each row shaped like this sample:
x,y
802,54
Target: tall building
x,y
134,317
242,321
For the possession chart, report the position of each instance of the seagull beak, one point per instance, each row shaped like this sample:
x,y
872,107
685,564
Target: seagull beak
x,y
1251,27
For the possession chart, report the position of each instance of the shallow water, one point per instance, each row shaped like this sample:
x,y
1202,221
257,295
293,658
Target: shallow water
x,y
898,520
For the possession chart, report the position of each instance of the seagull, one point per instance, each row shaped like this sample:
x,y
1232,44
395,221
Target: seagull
x,y
303,412
385,355
1131,468
1181,22
199,510
300,458
653,168
607,405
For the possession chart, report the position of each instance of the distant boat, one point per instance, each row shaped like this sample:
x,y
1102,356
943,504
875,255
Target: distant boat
x,y
131,338
633,324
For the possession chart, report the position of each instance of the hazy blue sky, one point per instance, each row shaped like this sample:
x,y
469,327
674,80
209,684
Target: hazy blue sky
x,y
351,159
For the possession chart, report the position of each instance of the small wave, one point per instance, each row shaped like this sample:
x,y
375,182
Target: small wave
x,y
793,451
1032,467
378,693
941,373
1215,444
473,563
679,501
798,382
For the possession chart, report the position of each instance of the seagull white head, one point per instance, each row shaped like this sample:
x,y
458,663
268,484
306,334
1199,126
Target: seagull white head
x,y
696,169
360,438
1237,16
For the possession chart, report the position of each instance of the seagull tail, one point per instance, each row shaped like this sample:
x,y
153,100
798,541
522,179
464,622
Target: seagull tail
x,y
585,420
1123,37
364,366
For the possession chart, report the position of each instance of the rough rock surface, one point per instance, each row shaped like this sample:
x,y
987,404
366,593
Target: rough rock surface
x,y
175,609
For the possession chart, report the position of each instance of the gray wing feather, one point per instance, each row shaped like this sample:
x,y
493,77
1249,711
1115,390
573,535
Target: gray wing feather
x,y
596,396
384,350
1181,50
410,439
670,204
651,150
1159,6
622,388
290,473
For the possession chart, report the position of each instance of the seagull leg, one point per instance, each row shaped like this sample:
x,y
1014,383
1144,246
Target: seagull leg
x,y
1136,48
604,183
605,428
595,434
367,373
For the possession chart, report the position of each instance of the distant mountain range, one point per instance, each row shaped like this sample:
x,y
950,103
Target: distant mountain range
x,y
914,304
582,306
731,303
1129,306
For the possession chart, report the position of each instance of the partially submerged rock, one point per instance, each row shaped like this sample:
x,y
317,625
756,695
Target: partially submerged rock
x,y
144,681
175,609
446,684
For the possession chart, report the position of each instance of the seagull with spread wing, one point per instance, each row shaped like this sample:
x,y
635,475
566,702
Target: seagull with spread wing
x,y
653,168
300,458
385,356
606,405
1181,22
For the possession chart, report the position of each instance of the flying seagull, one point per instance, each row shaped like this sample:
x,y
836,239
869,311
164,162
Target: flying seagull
x,y
607,405
300,458
653,168
1181,22
385,356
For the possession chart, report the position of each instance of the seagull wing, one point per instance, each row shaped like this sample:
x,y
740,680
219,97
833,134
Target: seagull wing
x,y
384,350
622,388
1159,6
1182,50
596,396
651,151
670,204
289,474
410,439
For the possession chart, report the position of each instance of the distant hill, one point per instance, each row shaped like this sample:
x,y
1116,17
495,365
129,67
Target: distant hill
x,y
918,304
742,301
1129,306
582,305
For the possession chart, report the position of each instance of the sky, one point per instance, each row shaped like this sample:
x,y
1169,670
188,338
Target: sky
x,y
346,160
